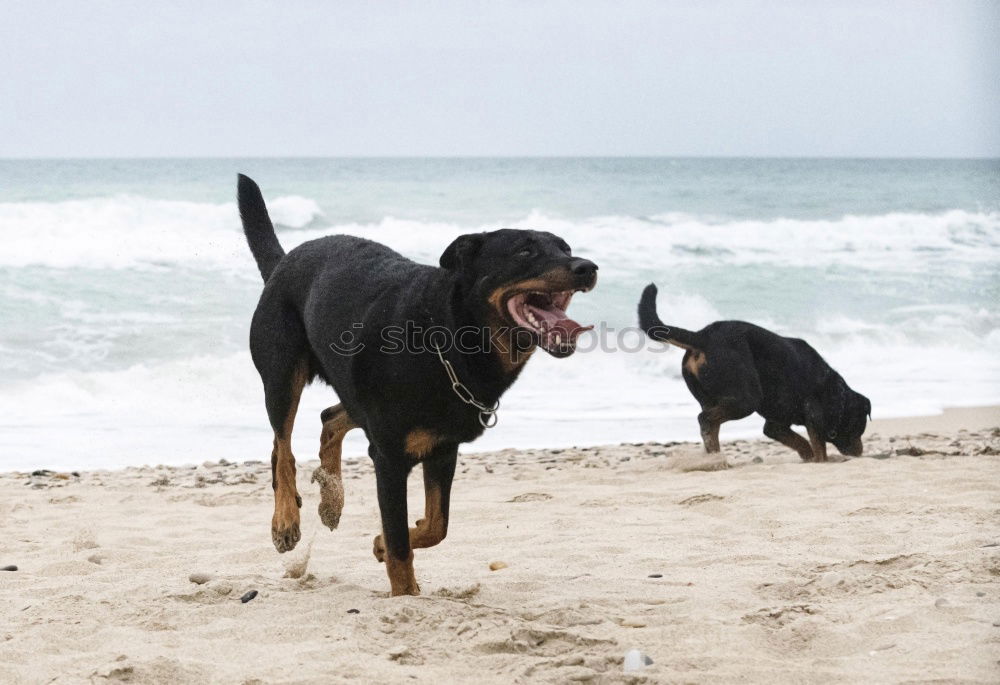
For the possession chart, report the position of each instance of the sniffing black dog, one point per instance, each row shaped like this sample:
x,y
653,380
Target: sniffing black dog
x,y
349,311
734,369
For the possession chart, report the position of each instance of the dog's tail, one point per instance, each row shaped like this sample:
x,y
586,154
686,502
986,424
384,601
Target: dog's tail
x,y
257,227
650,322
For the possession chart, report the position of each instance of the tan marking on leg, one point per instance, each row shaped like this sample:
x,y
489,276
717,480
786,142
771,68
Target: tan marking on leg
x,y
328,473
710,437
401,577
420,442
429,531
797,443
818,444
432,528
285,531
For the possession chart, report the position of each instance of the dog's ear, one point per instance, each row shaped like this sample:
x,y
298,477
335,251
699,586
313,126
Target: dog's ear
x,y
462,250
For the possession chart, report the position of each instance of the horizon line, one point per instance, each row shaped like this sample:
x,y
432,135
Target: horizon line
x,y
505,156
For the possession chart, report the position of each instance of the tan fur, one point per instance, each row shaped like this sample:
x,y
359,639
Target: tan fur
x,y
429,531
328,474
818,444
797,443
420,442
431,528
285,531
401,576
694,360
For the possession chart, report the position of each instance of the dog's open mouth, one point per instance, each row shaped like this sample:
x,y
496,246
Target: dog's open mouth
x,y
544,313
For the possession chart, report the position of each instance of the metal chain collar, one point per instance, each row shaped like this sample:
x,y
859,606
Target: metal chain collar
x,y
487,415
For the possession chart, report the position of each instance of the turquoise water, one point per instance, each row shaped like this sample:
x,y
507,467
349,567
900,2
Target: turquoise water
x,y
126,288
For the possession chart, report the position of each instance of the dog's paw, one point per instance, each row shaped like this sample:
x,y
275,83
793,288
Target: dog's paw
x,y
285,533
412,590
378,548
331,494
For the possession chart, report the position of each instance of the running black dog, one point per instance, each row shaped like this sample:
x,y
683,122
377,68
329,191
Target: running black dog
x,y
351,312
734,368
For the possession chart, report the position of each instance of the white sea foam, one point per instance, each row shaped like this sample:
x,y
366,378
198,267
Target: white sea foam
x,y
135,232
71,362
211,407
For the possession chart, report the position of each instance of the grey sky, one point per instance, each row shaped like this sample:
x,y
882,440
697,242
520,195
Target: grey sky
x,y
243,78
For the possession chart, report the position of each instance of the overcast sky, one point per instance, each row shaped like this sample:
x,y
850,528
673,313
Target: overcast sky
x,y
242,78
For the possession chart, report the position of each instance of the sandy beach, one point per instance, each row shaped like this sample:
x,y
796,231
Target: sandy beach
x,y
757,567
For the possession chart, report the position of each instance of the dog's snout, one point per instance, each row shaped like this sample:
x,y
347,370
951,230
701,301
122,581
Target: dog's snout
x,y
583,267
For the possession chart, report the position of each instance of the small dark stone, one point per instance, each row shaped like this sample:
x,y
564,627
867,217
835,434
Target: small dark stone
x,y
354,611
41,472
248,596
655,575
756,460
9,568
76,474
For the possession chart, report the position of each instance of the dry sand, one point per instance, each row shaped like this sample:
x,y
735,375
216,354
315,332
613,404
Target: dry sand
x,y
879,569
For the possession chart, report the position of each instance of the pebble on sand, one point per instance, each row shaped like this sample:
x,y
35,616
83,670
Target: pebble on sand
x,y
248,596
199,578
354,611
398,652
635,660
12,567
497,565
632,622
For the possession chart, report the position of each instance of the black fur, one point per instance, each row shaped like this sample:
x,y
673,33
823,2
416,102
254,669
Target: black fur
x,y
257,227
734,368
338,287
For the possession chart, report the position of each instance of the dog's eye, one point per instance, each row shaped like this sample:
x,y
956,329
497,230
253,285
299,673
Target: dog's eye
x,y
524,253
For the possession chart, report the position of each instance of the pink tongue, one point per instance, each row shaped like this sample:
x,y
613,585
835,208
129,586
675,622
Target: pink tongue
x,y
558,322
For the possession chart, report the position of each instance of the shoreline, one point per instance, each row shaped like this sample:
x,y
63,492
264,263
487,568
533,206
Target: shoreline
x,y
951,419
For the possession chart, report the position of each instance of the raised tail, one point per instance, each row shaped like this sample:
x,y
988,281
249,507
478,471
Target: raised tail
x,y
257,227
650,322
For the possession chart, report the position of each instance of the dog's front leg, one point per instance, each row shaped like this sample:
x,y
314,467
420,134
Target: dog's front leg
x,y
438,475
786,436
393,545
336,424
817,443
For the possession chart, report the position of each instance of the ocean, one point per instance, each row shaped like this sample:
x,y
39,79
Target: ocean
x,y
126,288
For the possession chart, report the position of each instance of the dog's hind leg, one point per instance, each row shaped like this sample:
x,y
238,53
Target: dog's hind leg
x,y
708,424
786,436
281,395
336,424
711,418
